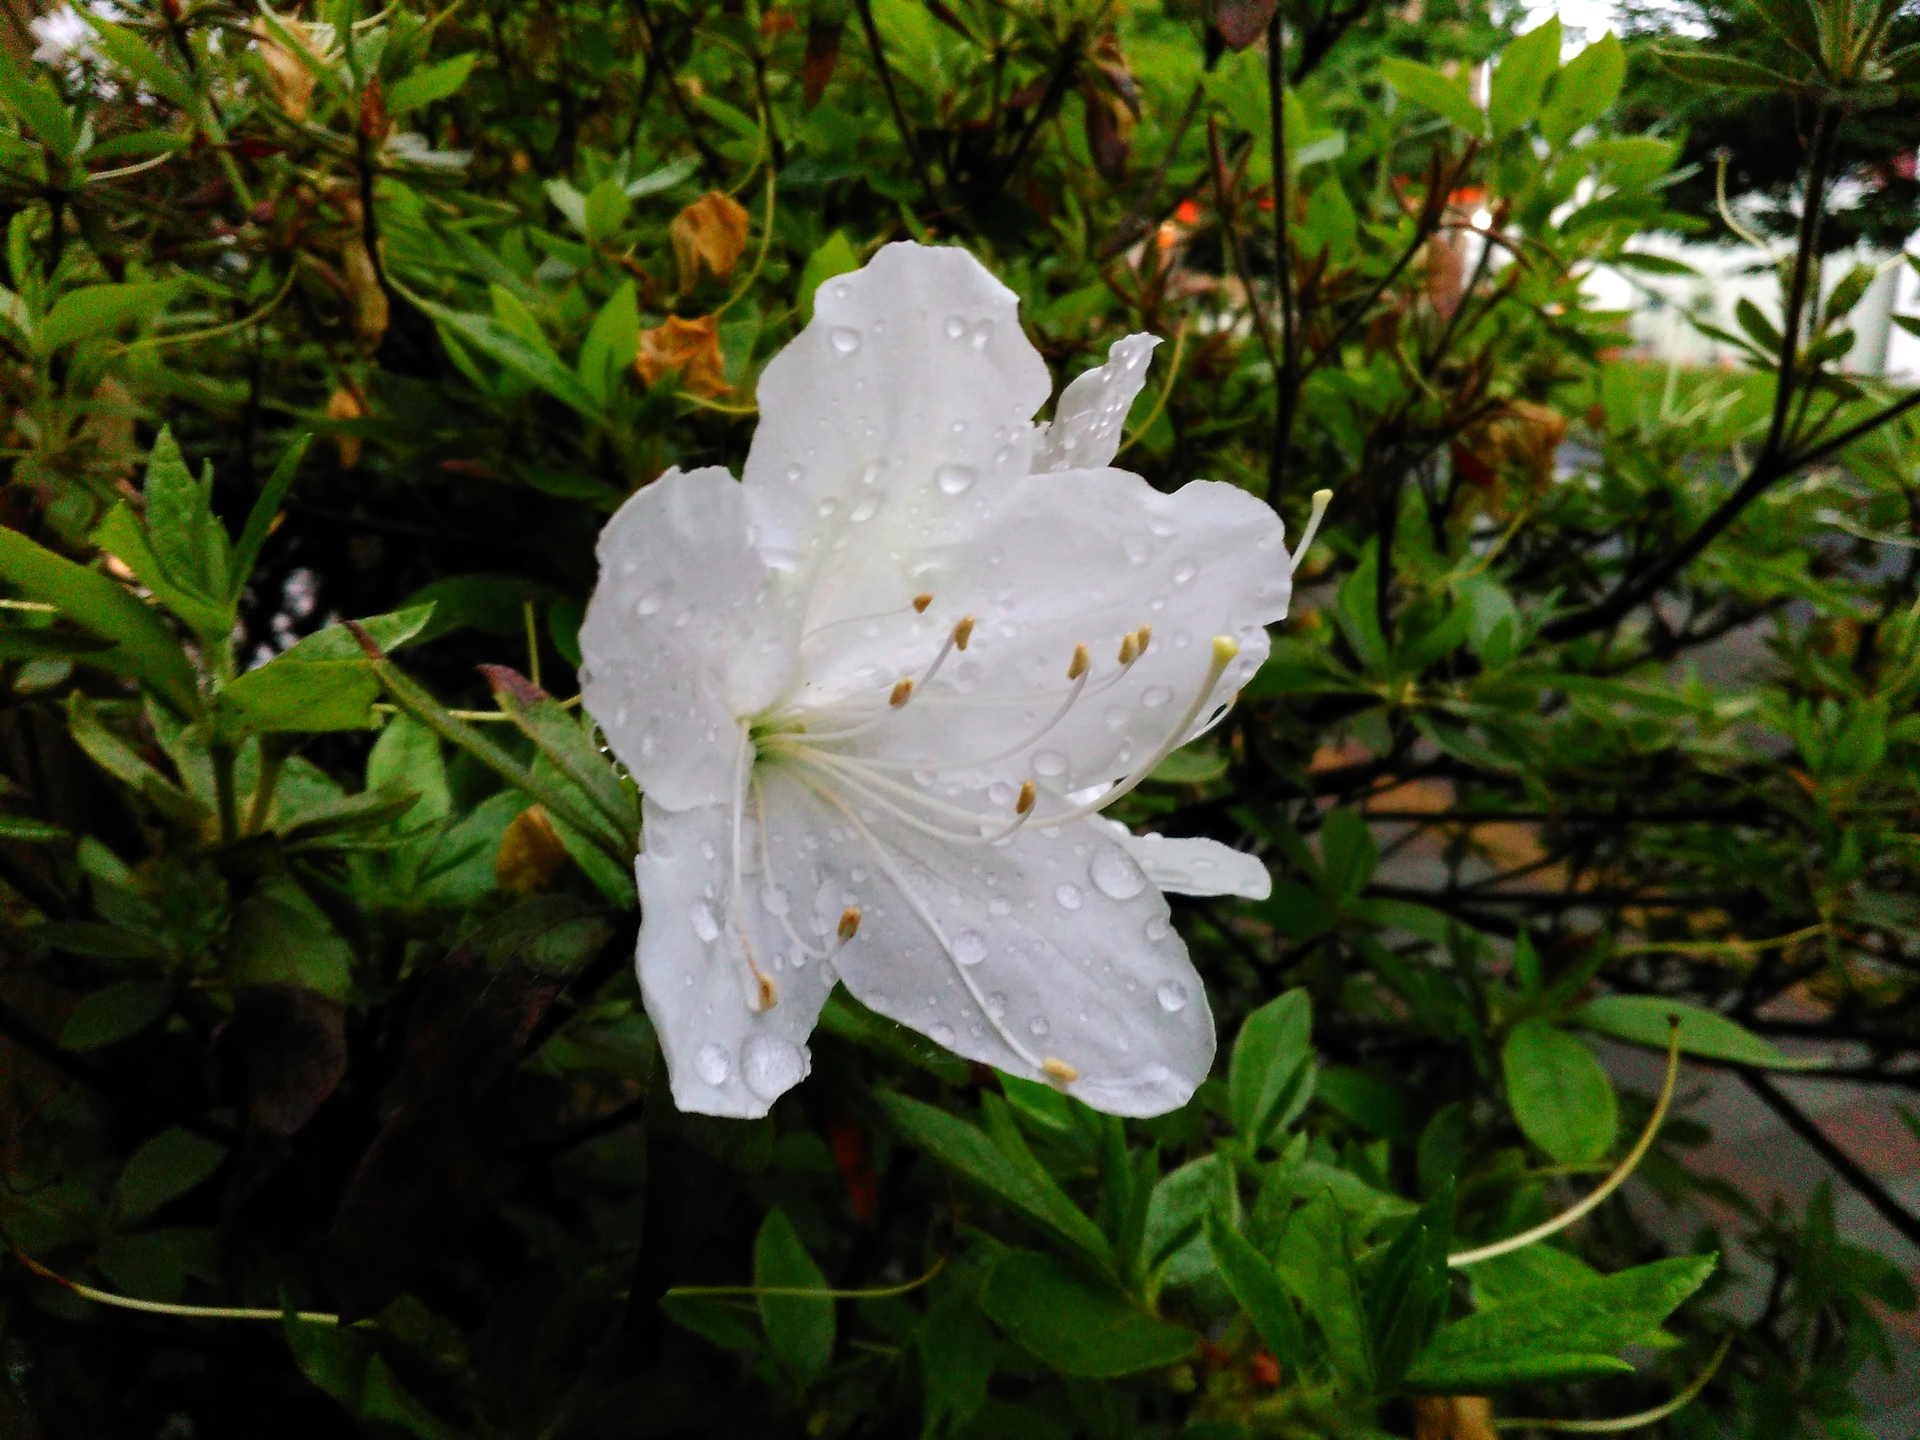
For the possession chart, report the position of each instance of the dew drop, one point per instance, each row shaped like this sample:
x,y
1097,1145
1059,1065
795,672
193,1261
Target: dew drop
x,y
1172,996
706,850
1156,696
982,333
771,1065
704,925
955,479
1158,928
1039,1026
712,1064
651,602
1184,571
864,511
1049,763
1165,529
999,905
827,507
996,1004
955,326
1115,874
775,900
795,472
1069,895
969,948
1115,717
845,340
941,1033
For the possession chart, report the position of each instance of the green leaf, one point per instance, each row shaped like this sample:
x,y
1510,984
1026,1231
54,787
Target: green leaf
x,y
1560,1094
112,1014
665,178
1191,765
968,1152
1078,1325
562,738
308,697
1407,1289
1520,79
1258,1288
529,361
1723,71
1794,21
1426,86
1271,1076
131,53
833,256
430,83
260,518
122,536
389,632
612,342
81,314
1570,1332
179,522
1315,1260
163,1169
799,1329
111,752
279,937
143,648
1583,90
35,101
1643,1020
605,211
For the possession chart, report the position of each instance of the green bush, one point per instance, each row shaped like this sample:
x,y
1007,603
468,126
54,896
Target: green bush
x,y
326,1067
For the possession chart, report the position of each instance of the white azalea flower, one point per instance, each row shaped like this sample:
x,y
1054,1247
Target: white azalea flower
x,y
876,693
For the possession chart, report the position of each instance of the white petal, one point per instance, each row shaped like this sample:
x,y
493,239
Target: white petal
x,y
908,397
685,631
1087,422
1191,866
1050,947
1080,556
723,1057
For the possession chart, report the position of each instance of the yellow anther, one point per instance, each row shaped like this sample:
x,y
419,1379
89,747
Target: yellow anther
x,y
1025,802
1225,647
1080,663
920,603
1059,1070
1143,635
963,632
1129,649
849,922
902,692
769,997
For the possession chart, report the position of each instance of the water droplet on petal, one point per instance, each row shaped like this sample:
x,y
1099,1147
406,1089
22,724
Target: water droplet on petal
x,y
827,507
770,1064
955,479
843,339
1069,895
1039,1026
1137,551
1049,763
712,1064
1115,717
941,1033
955,326
651,602
1184,571
1156,696
864,511
969,948
1115,874
1158,928
775,900
704,925
1172,996
996,1004
982,333
999,905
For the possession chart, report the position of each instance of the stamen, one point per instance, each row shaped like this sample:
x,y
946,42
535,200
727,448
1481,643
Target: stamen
x,y
763,983
1144,635
902,692
1321,499
1080,663
1059,1069
1129,649
766,868
920,603
1225,648
963,632
1027,795
919,907
849,923
856,774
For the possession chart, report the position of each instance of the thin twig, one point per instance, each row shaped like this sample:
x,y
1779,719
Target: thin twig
x,y
158,1307
1844,1165
885,71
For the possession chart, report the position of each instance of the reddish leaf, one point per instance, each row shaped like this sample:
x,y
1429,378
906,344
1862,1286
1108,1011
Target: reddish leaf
x,y
1241,22
294,1042
823,53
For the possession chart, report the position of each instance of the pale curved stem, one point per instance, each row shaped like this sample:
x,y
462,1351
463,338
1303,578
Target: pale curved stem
x,y
1629,1422
803,1292
159,1307
1600,1192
